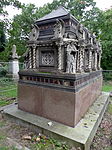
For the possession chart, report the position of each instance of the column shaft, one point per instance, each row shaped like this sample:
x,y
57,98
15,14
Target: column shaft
x,y
30,59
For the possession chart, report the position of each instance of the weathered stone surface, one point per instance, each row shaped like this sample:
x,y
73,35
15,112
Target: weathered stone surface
x,y
79,136
57,104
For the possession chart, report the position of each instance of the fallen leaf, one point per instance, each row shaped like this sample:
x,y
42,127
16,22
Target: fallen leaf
x,y
26,137
38,139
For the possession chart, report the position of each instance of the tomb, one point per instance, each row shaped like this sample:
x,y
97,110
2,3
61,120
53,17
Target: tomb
x,y
62,76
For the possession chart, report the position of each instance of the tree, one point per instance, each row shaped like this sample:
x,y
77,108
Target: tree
x,y
4,3
4,24
106,40
21,24
2,37
20,28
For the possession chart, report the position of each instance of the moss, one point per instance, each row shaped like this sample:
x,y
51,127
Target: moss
x,y
110,109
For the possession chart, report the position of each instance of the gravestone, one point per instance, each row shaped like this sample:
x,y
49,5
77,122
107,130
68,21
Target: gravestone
x,y
62,77
14,63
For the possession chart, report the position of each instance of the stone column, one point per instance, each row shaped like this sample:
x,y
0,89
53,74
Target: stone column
x,y
90,60
74,69
37,58
68,62
99,61
59,58
95,60
34,57
80,60
30,58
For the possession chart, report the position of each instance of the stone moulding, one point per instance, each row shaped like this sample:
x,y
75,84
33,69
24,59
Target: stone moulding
x,y
62,82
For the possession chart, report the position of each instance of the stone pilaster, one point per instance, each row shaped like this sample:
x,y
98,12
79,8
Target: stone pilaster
x,y
90,61
99,61
80,60
37,58
34,57
95,60
59,57
30,59
74,69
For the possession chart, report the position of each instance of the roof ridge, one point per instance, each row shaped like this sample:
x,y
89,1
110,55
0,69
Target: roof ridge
x,y
60,11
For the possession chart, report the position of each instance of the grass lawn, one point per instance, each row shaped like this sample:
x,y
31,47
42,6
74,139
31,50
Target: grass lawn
x,y
8,90
107,87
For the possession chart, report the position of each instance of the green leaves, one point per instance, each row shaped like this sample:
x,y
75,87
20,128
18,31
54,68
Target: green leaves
x,y
106,39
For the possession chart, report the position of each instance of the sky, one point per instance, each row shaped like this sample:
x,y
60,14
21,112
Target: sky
x,y
102,4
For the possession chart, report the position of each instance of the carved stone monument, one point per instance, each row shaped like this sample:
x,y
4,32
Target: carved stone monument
x,y
14,63
63,77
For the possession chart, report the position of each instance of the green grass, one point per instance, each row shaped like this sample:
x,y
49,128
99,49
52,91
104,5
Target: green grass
x,y
2,123
107,87
8,89
2,137
8,94
4,103
49,144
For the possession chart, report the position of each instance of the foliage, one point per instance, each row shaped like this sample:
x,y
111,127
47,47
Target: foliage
x,y
20,28
2,37
4,3
3,72
107,75
85,11
4,24
106,39
21,24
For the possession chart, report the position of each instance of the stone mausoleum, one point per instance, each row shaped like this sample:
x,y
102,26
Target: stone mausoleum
x,y
62,77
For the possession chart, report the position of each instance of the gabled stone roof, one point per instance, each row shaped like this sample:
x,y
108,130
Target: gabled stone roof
x,y
61,11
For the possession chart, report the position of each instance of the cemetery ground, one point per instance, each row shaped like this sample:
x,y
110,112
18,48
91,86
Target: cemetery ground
x,y
13,136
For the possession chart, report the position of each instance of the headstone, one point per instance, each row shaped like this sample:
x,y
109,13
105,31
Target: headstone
x,y
14,63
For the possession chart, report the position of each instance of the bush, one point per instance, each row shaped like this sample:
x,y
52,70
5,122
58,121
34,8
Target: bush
x,y
107,75
3,72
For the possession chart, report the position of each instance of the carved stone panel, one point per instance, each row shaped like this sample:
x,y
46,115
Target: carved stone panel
x,y
47,58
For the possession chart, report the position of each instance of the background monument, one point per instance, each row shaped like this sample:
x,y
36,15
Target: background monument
x,y
14,63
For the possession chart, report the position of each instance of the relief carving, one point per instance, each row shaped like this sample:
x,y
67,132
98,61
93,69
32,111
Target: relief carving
x,y
33,36
59,29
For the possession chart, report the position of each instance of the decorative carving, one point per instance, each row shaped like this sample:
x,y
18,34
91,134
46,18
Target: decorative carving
x,y
47,59
90,61
68,39
33,36
59,57
59,28
30,59
34,56
37,58
71,58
